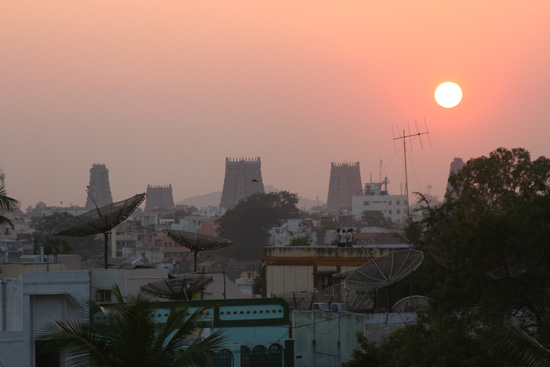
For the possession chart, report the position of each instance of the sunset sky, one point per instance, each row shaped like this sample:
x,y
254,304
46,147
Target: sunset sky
x,y
163,91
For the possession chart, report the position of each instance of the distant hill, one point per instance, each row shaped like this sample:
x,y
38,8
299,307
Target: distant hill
x,y
214,198
202,201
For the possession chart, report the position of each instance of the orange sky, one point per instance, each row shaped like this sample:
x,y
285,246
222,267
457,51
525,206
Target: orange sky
x,y
163,91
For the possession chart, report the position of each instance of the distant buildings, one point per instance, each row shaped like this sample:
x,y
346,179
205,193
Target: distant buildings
x,y
243,177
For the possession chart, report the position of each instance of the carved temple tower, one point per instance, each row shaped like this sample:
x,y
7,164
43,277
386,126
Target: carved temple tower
x,y
159,197
243,177
345,182
99,190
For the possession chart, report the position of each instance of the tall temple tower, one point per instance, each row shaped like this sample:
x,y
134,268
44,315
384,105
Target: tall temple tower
x,y
99,190
456,165
345,182
159,197
243,177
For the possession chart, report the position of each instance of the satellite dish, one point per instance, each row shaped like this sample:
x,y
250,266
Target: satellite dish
x,y
196,242
180,288
411,304
383,271
99,220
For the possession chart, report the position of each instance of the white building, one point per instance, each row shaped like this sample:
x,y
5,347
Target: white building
x,y
393,207
293,228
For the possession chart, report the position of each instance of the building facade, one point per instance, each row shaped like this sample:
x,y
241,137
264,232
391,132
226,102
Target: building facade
x,y
376,198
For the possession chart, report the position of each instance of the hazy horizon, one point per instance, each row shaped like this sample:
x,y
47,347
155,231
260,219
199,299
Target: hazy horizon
x,y
163,92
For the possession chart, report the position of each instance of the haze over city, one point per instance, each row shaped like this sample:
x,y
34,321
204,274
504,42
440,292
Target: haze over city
x,y
163,92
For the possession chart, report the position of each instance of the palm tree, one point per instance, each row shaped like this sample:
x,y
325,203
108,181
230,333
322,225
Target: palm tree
x,y
6,203
514,347
130,336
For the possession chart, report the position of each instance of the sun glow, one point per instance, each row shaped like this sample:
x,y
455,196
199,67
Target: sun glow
x,y
448,94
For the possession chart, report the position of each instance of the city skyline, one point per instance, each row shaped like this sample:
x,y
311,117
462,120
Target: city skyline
x,y
162,93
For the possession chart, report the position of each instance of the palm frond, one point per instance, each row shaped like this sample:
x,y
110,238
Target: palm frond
x,y
517,348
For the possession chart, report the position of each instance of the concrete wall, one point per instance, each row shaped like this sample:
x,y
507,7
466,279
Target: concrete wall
x,y
325,339
328,338
31,301
128,280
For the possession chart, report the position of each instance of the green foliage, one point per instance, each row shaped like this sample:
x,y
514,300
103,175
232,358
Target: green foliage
x,y
6,204
491,236
247,224
300,241
512,346
57,245
132,337
417,345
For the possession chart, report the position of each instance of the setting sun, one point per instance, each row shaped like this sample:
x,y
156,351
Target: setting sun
x,y
448,94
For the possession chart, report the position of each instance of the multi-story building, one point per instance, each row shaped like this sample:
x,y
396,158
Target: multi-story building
x,y
377,198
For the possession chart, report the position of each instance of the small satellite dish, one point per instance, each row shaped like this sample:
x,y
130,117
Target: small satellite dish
x,y
196,242
383,271
411,304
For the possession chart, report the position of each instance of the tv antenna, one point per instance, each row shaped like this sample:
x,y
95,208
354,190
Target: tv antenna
x,y
409,137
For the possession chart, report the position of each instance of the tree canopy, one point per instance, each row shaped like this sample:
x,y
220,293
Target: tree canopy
x,y
492,238
86,247
248,223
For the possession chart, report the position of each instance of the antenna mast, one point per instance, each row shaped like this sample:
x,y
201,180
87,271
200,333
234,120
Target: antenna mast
x,y
404,137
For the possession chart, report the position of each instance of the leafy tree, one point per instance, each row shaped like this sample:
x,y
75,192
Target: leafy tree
x,y
86,247
57,245
131,337
247,224
491,235
6,204
419,345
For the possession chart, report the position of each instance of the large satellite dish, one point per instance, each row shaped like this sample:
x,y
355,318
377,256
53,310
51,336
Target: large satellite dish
x,y
99,220
196,242
383,271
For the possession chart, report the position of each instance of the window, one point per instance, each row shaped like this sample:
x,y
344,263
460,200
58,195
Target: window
x,y
398,211
397,202
389,211
103,296
223,358
258,358
366,203
245,357
275,356
389,202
